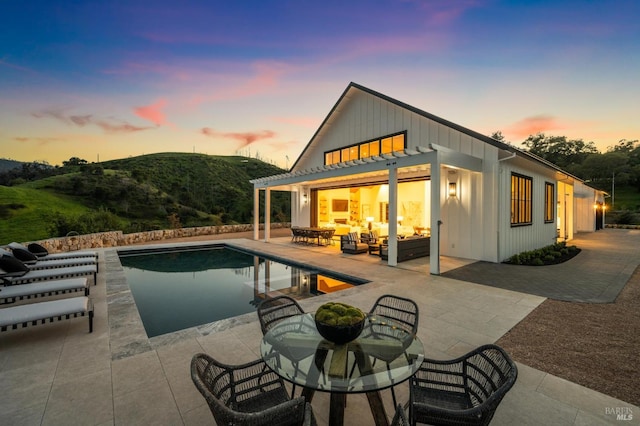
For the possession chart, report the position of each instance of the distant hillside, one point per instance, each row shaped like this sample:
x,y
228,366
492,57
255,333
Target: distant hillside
x,y
9,164
155,191
213,184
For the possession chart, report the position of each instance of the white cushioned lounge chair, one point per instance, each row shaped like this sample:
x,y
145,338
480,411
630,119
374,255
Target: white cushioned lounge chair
x,y
12,293
34,313
43,254
13,271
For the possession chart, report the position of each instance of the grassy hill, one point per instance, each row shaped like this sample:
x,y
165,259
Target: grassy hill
x,y
134,194
25,213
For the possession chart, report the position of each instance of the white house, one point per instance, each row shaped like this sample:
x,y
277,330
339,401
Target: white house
x,y
380,163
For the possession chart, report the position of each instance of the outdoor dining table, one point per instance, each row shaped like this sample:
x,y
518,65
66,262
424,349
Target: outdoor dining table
x,y
322,235
384,355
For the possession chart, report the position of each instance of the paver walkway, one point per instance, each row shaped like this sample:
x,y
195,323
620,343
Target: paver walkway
x,y
596,275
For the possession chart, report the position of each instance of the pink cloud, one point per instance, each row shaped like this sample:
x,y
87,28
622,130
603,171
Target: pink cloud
x,y
245,138
107,125
119,128
532,125
153,112
39,141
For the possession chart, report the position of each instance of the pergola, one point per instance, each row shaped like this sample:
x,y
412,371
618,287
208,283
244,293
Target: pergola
x,y
425,160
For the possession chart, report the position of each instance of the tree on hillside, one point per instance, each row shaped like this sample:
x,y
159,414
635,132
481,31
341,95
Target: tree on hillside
x,y
559,150
74,161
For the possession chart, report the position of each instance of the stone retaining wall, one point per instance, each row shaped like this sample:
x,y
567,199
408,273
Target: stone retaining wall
x,y
117,238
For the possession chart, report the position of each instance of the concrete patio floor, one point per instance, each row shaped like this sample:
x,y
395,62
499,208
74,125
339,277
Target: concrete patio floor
x,y
59,374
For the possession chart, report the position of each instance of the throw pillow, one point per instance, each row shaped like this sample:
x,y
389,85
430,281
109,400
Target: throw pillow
x,y
24,255
353,237
11,264
37,249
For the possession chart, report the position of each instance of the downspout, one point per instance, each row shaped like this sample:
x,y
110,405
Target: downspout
x,y
500,213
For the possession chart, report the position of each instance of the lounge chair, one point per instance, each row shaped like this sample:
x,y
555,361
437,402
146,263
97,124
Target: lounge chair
x,y
47,288
31,314
16,272
43,254
34,264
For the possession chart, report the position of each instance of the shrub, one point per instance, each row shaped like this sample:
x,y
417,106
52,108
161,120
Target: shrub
x,y
550,254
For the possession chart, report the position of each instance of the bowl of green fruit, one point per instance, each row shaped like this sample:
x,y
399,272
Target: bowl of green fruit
x,y
338,322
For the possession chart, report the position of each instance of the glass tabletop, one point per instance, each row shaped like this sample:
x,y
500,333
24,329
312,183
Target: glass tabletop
x,y
382,356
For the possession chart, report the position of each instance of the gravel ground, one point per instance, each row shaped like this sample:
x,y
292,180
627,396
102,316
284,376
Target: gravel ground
x,y
594,345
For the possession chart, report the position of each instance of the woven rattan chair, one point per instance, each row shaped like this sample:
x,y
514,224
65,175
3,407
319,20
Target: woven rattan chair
x,y
247,395
463,391
402,311
271,312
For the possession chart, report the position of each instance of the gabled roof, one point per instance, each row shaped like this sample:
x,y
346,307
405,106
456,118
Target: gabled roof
x,y
496,143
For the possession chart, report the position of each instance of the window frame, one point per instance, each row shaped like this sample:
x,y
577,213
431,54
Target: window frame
x,y
549,202
521,201
371,143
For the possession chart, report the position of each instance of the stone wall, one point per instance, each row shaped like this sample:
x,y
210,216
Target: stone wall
x,y
117,238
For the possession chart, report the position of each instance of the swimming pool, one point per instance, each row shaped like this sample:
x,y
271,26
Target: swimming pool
x,y
179,289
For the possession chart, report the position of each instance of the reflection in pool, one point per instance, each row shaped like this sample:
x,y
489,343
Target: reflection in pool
x,y
179,289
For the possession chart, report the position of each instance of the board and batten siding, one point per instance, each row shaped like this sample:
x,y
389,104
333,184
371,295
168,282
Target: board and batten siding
x,y
362,117
516,239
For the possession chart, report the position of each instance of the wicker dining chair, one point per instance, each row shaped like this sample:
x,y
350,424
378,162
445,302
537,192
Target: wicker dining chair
x,y
401,310
247,395
271,312
463,391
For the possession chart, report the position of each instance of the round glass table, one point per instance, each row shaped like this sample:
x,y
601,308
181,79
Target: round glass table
x,y
384,355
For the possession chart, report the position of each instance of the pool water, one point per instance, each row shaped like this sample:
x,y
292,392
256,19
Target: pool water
x,y
181,289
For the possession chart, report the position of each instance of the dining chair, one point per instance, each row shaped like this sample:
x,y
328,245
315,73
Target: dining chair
x,y
463,391
273,310
247,395
402,311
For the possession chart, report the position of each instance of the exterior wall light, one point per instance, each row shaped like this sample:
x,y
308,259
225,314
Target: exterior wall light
x,y
305,198
453,189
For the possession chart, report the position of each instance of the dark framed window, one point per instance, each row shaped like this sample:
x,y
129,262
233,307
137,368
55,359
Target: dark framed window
x,y
371,148
521,199
549,204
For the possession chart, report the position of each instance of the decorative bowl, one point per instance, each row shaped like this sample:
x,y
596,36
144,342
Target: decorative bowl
x,y
339,323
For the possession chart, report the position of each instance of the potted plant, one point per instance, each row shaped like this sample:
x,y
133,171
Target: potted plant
x,y
338,322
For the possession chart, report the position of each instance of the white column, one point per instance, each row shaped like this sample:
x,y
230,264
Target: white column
x,y
267,214
393,217
436,187
256,213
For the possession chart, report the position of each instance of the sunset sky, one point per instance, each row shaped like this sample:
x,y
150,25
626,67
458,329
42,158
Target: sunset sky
x,y
102,80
